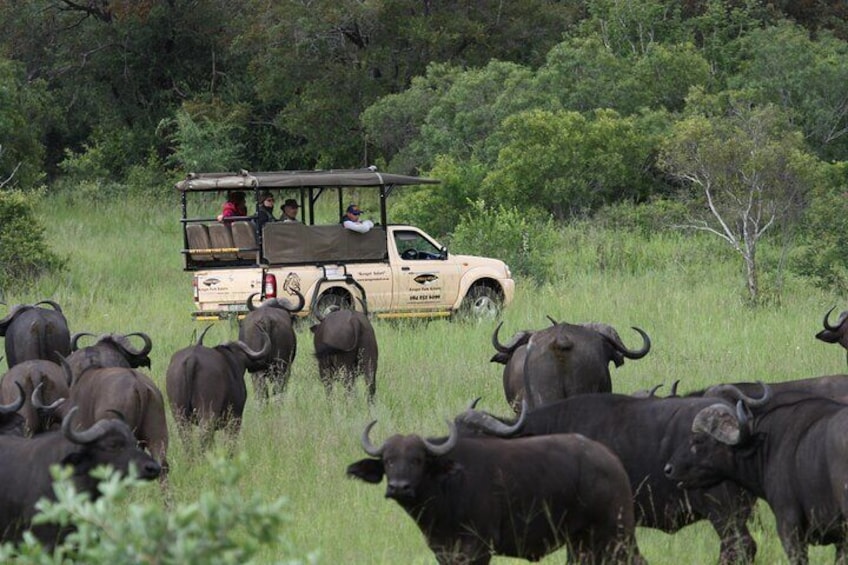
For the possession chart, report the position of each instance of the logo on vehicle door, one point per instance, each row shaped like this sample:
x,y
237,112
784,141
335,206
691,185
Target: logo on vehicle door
x,y
426,279
211,282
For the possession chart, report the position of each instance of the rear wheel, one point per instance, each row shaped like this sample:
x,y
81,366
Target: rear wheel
x,y
481,303
332,301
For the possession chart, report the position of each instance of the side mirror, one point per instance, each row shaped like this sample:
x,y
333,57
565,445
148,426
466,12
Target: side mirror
x,y
443,253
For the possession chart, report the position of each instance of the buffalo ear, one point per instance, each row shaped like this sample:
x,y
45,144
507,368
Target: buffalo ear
x,y
720,422
314,328
79,461
368,470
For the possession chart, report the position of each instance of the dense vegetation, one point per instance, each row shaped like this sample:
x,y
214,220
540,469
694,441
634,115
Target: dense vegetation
x,y
124,274
730,114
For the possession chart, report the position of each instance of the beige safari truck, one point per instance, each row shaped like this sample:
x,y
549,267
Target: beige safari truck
x,y
392,271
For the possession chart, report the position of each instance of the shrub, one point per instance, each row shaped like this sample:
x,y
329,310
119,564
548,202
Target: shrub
x,y
524,239
24,254
225,526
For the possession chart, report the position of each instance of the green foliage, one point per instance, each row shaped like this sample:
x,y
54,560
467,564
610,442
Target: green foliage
x,y
648,218
225,526
24,252
206,138
526,239
567,163
821,254
24,109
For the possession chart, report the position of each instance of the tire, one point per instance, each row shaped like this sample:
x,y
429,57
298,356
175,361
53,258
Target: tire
x,y
331,302
481,303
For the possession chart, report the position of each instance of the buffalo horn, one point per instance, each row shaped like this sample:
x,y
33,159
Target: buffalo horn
x,y
553,322
17,309
250,305
496,343
76,337
674,388
256,355
638,353
491,425
83,437
443,448
367,446
203,334
301,302
839,323
16,405
50,303
38,403
737,394
124,342
66,367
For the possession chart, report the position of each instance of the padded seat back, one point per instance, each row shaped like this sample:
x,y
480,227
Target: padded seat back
x,y
198,238
244,237
222,238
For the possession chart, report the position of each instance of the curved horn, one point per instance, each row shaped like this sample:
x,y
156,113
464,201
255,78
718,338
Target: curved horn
x,y
75,339
553,322
250,305
50,303
674,388
301,302
496,342
66,368
124,342
202,334
83,437
736,393
447,446
256,355
473,404
16,405
827,324
653,392
491,425
38,403
367,446
638,353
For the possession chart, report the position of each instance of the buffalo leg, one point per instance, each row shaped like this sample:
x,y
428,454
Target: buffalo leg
x,y
260,385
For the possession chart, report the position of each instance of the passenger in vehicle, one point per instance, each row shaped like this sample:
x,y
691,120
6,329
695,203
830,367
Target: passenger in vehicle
x,y
290,208
352,221
265,209
234,206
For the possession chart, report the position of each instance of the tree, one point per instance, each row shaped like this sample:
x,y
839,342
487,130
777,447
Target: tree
x,y
745,170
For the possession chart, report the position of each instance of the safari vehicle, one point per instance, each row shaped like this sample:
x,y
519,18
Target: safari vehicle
x,y
390,271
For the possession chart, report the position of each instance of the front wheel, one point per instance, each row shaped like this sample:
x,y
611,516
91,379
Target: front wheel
x,y
481,303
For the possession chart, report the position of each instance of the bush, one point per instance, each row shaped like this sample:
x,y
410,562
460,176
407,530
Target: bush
x,y
24,255
525,239
225,526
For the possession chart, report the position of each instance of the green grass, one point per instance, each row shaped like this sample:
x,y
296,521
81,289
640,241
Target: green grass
x,y
688,293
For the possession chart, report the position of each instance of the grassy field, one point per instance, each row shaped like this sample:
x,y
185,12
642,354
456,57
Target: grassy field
x,y
126,275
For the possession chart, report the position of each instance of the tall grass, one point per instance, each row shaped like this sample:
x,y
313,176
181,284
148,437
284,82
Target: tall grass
x,y
688,293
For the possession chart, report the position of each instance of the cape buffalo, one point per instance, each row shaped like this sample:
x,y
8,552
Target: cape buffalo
x,y
128,394
477,497
643,433
35,333
25,472
40,415
110,350
205,385
791,453
272,318
837,333
11,422
345,346
567,359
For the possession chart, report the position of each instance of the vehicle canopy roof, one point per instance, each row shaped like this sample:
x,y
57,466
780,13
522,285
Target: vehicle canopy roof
x,y
245,180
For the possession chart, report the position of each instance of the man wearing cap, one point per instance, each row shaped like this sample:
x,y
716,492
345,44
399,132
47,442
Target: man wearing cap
x,y
290,208
265,209
352,221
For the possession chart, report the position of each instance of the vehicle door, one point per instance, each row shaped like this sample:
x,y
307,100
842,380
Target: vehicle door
x,y
427,279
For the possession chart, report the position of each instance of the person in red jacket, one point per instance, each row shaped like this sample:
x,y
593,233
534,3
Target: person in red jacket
x,y
234,206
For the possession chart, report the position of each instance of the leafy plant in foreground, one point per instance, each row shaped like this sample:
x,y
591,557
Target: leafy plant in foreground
x,y
224,526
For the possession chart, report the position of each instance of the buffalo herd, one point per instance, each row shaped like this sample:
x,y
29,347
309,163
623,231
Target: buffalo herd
x,y
572,466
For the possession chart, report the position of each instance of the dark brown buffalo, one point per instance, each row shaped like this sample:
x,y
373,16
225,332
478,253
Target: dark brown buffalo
x,y
110,350
346,346
567,359
40,415
643,433
792,453
477,497
32,332
205,385
835,333
127,394
274,318
25,472
11,421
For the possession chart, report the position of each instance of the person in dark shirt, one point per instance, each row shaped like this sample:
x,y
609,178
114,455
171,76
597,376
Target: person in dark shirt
x,y
265,209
